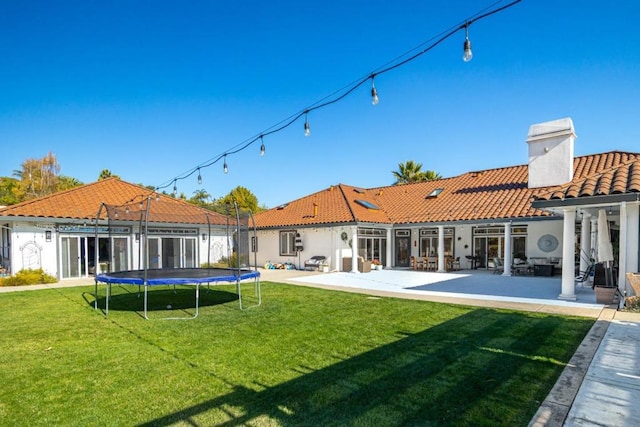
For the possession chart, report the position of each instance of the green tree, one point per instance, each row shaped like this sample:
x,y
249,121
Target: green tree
x,y
106,173
430,175
8,191
67,182
245,199
411,171
38,177
200,198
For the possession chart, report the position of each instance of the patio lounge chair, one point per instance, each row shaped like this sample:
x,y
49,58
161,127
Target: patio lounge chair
x,y
584,276
498,266
314,262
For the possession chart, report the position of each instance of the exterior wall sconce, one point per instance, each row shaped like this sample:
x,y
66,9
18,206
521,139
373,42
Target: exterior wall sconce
x,y
137,237
47,235
204,236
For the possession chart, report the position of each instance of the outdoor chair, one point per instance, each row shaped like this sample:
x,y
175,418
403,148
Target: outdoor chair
x,y
498,266
584,276
314,262
416,263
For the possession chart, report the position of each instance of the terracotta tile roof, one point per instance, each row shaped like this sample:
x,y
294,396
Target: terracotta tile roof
x,y
336,204
493,194
83,203
614,177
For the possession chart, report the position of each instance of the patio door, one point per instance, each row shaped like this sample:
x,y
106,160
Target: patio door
x,y
403,248
487,248
120,257
70,257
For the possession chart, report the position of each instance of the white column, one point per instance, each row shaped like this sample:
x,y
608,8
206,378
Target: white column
x,y
507,250
622,247
633,233
389,264
354,249
568,254
585,241
441,249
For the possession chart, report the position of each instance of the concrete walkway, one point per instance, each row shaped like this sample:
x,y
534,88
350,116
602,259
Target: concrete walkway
x,y
599,386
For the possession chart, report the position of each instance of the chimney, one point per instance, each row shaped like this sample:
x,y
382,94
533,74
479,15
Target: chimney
x,y
551,153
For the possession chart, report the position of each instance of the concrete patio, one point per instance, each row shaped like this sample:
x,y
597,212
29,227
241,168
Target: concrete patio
x,y
471,287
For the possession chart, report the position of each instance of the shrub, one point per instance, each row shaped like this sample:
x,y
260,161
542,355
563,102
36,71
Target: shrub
x,y
632,304
28,277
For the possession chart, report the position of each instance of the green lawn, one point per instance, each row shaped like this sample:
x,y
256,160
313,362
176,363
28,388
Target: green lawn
x,y
305,357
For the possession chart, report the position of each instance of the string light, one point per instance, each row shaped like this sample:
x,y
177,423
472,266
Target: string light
x,y
175,188
199,177
374,92
307,128
347,90
262,149
467,55
224,166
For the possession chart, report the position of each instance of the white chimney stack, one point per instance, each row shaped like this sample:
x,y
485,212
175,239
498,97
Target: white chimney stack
x,y
551,153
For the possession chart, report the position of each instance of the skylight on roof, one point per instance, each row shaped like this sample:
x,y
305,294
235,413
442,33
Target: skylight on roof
x,y
282,206
367,204
435,192
359,190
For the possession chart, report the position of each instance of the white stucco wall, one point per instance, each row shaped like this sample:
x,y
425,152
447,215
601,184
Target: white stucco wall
x,y
316,241
536,230
30,250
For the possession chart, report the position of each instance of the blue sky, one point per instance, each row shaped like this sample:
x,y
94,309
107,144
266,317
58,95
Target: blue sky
x,y
152,89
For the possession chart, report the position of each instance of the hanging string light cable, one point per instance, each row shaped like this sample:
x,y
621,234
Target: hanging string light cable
x,y
348,89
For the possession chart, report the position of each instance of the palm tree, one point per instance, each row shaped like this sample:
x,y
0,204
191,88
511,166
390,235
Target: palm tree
x,y
200,198
411,171
430,175
106,173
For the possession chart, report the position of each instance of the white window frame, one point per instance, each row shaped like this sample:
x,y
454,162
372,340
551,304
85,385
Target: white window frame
x,y
288,243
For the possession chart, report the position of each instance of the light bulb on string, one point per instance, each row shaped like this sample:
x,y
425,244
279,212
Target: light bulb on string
x,y
175,188
307,128
199,177
374,92
467,55
262,149
225,168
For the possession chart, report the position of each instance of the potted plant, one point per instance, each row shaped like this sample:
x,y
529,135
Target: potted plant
x,y
376,264
605,294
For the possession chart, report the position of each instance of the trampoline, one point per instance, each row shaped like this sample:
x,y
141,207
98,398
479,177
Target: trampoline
x,y
178,276
241,231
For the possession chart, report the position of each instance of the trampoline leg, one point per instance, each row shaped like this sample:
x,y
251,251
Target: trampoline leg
x,y
106,299
256,289
145,302
197,299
